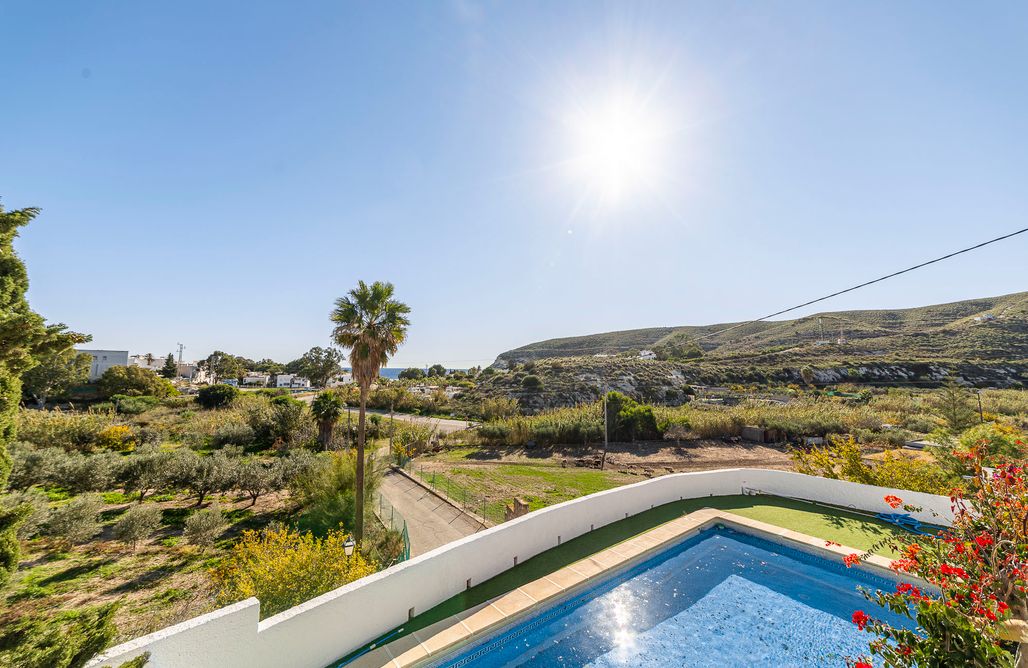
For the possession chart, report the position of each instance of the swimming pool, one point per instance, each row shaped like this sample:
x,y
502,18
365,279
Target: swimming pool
x,y
721,598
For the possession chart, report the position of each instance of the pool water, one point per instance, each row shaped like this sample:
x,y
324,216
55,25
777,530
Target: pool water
x,y
721,598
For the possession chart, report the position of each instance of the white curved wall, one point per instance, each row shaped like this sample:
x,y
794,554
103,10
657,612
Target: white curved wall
x,y
317,632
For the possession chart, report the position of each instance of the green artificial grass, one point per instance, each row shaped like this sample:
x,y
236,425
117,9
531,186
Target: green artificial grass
x,y
850,529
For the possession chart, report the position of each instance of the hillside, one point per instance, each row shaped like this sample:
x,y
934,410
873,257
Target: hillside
x,y
982,341
943,331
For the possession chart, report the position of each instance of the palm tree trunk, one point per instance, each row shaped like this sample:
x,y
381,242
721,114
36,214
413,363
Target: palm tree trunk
x,y
325,429
358,523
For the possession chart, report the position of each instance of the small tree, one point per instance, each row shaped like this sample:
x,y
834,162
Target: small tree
x,y
436,371
88,473
170,369
137,523
326,408
255,478
202,475
55,374
77,521
216,396
204,526
412,373
318,365
134,381
953,403
148,471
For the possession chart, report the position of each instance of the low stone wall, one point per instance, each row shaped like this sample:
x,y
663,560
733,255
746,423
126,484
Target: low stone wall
x,y
318,632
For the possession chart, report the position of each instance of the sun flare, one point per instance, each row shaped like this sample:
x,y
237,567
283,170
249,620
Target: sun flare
x,y
617,148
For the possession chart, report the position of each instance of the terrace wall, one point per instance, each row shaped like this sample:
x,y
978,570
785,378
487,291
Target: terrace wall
x,y
318,632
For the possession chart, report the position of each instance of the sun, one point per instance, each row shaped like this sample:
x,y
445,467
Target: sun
x,y
617,147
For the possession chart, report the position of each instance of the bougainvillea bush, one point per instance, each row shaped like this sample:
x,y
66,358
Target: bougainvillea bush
x,y
977,571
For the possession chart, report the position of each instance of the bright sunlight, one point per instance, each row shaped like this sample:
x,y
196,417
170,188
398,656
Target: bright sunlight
x,y
617,145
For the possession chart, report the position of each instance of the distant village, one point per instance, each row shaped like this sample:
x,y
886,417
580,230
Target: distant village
x,y
196,373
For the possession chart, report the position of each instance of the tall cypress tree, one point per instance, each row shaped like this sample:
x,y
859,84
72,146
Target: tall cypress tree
x,y
170,369
24,336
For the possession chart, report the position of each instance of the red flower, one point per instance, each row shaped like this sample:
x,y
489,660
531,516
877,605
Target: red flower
x,y
905,650
860,618
830,543
851,560
983,540
946,569
862,664
893,501
903,565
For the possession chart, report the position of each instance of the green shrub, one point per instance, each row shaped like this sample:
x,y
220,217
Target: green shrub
x,y
216,396
177,402
67,430
531,382
77,521
134,381
65,640
35,511
233,433
134,405
205,526
137,523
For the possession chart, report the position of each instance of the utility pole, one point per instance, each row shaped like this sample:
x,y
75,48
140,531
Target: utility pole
x,y
981,414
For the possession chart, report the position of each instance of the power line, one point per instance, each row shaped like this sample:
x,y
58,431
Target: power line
x,y
866,283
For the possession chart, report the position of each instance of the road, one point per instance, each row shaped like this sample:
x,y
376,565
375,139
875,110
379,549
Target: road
x,y
441,425
431,522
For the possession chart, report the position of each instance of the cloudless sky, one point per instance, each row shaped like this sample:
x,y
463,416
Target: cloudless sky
x,y
217,173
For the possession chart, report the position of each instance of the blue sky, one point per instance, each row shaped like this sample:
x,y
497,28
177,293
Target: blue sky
x,y
218,173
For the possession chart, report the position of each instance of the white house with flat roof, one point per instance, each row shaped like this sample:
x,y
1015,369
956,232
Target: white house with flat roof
x,y
291,380
104,360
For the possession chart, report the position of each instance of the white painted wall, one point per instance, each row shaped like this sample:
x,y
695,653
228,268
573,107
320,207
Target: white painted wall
x,y
104,360
315,633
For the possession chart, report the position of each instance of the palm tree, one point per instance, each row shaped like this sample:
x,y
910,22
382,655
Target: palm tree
x,y
327,407
372,325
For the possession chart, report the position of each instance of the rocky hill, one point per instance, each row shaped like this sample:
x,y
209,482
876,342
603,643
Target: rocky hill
x,y
981,341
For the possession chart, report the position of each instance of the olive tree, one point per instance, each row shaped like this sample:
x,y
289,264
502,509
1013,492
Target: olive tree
x,y
137,523
205,525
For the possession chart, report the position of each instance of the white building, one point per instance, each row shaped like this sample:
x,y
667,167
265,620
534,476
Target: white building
x,y
191,371
291,380
104,360
340,379
256,379
147,361
647,355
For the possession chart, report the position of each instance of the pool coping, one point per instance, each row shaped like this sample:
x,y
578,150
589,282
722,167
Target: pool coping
x,y
448,634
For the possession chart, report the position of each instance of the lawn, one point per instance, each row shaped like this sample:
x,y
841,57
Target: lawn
x,y
486,487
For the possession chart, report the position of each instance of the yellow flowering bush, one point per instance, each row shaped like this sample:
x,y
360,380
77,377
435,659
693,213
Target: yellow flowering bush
x,y
117,437
284,568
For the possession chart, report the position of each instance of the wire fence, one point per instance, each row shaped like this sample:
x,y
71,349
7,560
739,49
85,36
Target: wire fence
x,y
461,496
391,519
